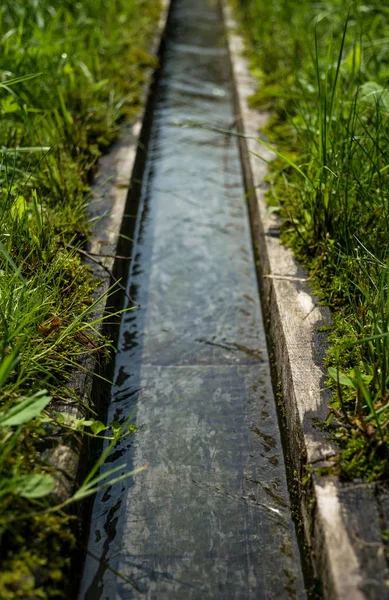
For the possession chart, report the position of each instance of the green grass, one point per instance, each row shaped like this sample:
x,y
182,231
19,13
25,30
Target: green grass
x,y
70,72
322,71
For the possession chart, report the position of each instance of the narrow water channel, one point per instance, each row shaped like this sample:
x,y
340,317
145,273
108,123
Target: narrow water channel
x,y
210,517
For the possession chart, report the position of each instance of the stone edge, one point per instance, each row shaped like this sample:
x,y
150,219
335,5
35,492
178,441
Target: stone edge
x,y
110,191
342,523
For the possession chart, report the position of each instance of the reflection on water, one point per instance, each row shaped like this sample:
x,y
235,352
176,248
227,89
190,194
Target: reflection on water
x,y
210,516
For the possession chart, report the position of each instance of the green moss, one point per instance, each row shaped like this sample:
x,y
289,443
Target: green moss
x,y
37,559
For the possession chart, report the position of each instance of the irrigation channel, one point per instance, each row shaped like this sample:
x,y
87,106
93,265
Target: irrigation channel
x,y
210,517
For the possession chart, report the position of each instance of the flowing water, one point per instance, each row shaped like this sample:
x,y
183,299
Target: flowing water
x,y
210,517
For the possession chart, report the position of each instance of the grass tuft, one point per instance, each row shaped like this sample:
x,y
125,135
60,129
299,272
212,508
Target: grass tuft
x,y
322,71
70,72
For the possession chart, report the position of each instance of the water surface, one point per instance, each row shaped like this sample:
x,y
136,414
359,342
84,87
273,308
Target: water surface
x,y
210,517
